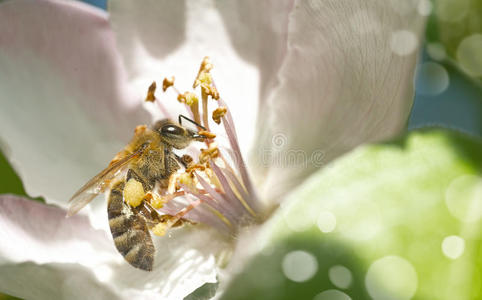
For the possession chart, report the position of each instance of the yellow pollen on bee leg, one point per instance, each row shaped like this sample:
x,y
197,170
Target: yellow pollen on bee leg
x,y
150,92
134,192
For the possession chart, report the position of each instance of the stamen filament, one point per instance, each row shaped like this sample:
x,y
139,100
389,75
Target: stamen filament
x,y
233,207
205,110
231,132
226,190
224,215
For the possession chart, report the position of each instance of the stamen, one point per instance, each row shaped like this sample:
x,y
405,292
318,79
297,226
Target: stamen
x,y
205,67
188,180
218,113
207,134
192,102
207,154
150,92
161,228
220,183
166,83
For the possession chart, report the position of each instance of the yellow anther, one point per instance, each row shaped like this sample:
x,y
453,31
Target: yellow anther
x,y
218,113
160,229
188,180
188,98
155,200
187,159
150,92
133,192
210,90
195,167
191,99
205,78
205,67
166,83
209,153
207,134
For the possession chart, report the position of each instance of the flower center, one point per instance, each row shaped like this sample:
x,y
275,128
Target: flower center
x,y
215,188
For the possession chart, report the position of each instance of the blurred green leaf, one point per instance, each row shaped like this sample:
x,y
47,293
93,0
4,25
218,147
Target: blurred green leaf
x,y
10,183
399,220
455,35
7,297
204,292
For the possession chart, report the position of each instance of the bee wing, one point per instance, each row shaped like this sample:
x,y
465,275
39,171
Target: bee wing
x,y
97,185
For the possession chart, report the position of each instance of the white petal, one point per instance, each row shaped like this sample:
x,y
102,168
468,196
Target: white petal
x,y
47,256
50,257
65,111
347,79
163,38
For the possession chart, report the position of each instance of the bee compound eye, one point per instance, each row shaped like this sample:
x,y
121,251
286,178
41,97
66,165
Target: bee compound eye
x,y
172,130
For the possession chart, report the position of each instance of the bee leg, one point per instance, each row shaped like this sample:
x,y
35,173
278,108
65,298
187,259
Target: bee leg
x,y
169,221
145,184
185,160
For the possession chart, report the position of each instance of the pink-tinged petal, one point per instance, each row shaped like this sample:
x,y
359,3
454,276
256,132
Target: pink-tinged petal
x,y
159,38
48,256
65,107
347,79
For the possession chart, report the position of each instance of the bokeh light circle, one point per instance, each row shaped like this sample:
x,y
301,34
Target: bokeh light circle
x,y
453,246
436,51
326,221
332,295
403,42
299,266
463,198
433,79
469,54
391,278
452,11
424,7
340,276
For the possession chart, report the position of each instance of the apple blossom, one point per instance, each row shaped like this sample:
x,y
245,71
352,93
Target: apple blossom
x,y
314,78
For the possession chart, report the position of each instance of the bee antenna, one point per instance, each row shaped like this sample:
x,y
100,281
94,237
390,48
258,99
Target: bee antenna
x,y
192,121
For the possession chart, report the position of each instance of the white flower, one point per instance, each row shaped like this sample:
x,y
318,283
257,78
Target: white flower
x,y
312,78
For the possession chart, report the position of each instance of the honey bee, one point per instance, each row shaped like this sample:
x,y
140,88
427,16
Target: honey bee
x,y
149,160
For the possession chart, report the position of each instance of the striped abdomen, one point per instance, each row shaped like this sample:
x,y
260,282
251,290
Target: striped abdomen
x,y
129,230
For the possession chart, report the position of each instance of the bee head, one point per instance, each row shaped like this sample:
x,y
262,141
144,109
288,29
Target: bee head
x,y
176,135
